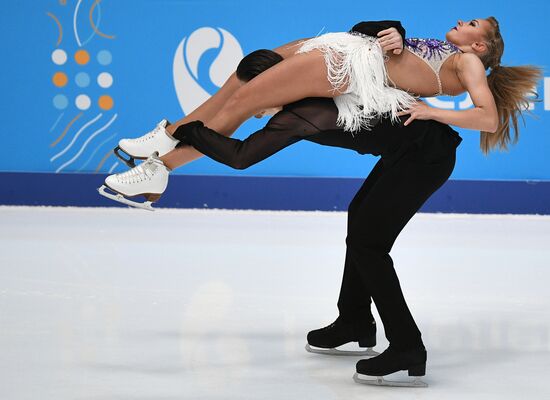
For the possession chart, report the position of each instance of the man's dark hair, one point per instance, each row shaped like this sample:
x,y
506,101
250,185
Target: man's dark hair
x,y
257,62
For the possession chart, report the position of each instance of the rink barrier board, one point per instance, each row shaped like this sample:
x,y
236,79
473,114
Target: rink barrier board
x,y
274,193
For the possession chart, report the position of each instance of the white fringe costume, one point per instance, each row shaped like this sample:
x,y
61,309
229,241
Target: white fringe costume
x,y
358,59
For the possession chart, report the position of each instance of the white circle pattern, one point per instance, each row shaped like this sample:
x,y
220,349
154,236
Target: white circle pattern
x,y
105,80
59,56
83,102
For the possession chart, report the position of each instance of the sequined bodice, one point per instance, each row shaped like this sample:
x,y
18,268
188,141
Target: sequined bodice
x,y
433,52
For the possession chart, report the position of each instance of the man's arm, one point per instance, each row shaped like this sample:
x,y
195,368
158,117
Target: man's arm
x,y
371,28
282,130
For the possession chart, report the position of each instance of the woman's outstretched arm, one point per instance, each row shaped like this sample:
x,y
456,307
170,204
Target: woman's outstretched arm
x,y
483,117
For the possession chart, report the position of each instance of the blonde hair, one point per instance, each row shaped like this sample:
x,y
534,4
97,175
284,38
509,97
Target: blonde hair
x,y
511,88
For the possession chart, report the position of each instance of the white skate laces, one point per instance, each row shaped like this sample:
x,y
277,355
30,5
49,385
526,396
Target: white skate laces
x,y
151,135
141,173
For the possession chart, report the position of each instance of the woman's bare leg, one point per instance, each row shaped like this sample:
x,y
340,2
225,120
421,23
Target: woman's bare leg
x,y
212,105
289,49
206,110
209,108
300,76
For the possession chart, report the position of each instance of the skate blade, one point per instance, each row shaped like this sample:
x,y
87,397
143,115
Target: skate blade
x,y
130,161
121,199
380,381
369,352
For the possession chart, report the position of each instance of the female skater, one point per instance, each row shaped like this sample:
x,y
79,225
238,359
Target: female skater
x,y
425,68
390,196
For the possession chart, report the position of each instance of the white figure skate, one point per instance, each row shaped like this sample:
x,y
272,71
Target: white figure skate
x,y
158,140
149,179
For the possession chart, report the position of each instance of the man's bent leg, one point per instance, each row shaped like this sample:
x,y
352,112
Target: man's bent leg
x,y
354,302
391,203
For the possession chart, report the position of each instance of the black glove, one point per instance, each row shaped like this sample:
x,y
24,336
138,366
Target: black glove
x,y
184,130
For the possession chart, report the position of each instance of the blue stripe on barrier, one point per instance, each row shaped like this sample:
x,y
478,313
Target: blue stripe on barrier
x,y
274,193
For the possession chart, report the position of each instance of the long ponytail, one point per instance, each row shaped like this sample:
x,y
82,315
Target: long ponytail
x,y
512,89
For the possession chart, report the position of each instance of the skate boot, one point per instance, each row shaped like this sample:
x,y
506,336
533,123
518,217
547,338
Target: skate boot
x,y
327,339
140,148
149,179
371,371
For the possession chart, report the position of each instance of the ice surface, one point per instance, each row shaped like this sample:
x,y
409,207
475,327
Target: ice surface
x,y
210,304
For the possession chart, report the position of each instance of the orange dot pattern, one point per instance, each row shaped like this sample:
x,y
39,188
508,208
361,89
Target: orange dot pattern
x,y
59,79
105,102
82,57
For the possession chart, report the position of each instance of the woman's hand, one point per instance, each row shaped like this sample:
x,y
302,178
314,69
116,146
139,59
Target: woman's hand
x,y
390,39
418,111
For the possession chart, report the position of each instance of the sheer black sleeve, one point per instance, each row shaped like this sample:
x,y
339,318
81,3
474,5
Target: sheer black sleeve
x,y
282,130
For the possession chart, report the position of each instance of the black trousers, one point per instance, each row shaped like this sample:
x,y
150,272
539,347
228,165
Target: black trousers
x,y
386,201
416,161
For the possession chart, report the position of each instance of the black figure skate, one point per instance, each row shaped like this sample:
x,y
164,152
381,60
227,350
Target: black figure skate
x,y
327,339
372,371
